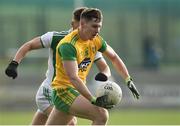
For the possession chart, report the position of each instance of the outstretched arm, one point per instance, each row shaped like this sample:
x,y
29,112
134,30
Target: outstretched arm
x,y
121,69
117,62
27,47
11,70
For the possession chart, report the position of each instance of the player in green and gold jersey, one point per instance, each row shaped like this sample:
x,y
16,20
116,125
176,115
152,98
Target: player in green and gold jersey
x,y
74,58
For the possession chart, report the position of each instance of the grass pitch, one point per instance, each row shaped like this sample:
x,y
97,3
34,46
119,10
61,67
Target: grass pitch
x,y
120,117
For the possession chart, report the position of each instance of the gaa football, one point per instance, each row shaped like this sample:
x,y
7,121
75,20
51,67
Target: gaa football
x,y
110,88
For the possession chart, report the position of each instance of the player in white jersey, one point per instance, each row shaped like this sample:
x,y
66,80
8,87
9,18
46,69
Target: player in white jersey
x,y
50,40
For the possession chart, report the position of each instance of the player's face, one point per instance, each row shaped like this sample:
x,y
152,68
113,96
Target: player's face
x,y
92,28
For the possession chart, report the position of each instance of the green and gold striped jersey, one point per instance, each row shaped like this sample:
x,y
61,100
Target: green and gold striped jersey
x,y
72,47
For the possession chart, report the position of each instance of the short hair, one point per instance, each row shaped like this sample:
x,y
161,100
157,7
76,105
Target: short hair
x,y
77,13
92,14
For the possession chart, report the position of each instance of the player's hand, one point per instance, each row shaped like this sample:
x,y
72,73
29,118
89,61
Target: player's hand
x,y
11,70
101,77
133,89
102,102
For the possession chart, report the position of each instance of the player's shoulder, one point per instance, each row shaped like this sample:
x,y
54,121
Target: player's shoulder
x,y
61,33
52,38
57,36
98,39
58,32
71,36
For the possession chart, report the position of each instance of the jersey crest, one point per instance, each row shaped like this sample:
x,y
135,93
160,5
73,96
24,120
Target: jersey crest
x,y
84,64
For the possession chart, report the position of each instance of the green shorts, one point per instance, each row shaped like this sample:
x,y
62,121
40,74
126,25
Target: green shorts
x,y
63,98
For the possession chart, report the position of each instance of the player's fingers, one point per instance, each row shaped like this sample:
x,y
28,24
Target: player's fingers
x,y
134,95
109,106
137,94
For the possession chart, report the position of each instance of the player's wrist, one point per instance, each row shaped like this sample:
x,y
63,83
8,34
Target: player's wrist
x,y
93,100
128,79
14,63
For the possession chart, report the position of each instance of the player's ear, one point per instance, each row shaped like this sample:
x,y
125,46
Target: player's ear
x,y
75,24
82,22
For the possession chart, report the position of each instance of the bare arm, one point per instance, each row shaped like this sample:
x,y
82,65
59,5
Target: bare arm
x,y
25,48
103,67
122,70
117,62
71,68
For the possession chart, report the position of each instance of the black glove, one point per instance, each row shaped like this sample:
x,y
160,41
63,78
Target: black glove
x,y
101,77
11,70
102,101
133,89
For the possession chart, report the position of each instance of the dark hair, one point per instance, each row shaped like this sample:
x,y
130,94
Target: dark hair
x,y
92,14
77,13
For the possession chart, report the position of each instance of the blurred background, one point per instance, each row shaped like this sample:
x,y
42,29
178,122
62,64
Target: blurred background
x,y
144,33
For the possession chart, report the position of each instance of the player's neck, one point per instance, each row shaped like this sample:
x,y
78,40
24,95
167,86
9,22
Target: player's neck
x,y
82,35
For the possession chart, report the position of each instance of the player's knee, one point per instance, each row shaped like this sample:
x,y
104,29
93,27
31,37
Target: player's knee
x,y
103,116
73,122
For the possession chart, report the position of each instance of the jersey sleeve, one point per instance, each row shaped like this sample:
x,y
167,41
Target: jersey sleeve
x,y
67,52
98,56
103,45
46,39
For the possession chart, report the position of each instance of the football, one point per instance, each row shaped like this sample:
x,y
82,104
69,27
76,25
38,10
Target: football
x,y
111,89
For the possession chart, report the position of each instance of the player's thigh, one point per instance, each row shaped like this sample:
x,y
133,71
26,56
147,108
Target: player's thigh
x,y
43,99
39,118
48,110
57,117
83,108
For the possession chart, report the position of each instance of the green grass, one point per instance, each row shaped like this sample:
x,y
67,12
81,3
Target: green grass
x,y
123,117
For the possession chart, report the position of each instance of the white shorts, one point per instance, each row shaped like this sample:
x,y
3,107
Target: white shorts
x,y
43,98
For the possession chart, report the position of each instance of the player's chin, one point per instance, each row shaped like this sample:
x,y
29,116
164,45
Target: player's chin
x,y
93,36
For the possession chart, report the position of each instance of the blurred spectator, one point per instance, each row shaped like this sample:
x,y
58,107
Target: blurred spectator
x,y
150,53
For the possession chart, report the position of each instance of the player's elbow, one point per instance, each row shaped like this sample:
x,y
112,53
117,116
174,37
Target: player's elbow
x,y
28,46
73,78
34,44
114,57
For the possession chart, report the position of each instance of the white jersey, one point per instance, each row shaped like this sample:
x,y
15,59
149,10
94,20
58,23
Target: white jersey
x,y
50,40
